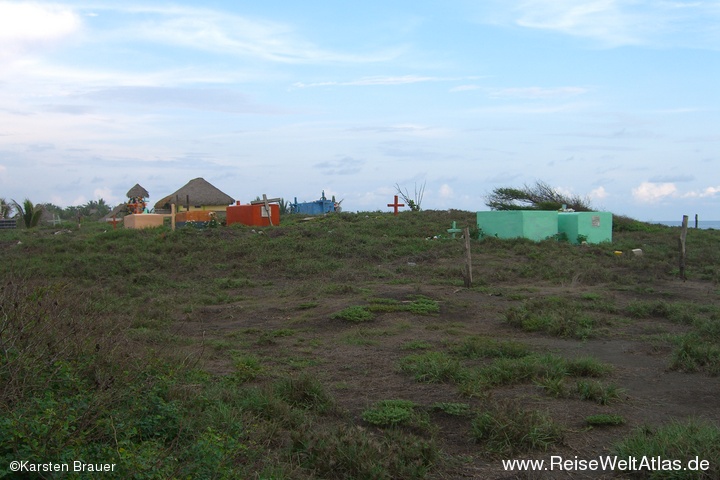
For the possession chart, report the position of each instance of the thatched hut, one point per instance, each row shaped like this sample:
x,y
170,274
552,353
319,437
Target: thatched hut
x,y
137,191
197,194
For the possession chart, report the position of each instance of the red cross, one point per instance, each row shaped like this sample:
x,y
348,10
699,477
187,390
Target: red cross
x,y
396,205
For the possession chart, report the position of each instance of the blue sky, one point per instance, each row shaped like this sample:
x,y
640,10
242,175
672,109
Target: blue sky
x,y
616,100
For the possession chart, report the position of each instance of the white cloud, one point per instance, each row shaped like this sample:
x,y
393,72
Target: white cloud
x,y
446,191
25,27
81,200
648,192
598,193
600,19
106,194
538,92
376,80
341,166
614,22
708,192
221,32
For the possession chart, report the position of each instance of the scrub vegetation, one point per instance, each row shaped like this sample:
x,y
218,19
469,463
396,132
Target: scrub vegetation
x,y
348,347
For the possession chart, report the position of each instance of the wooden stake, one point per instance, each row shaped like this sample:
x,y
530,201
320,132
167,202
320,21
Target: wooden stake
x,y
468,259
681,241
172,216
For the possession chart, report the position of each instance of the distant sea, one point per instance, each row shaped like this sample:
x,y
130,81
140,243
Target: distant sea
x,y
691,223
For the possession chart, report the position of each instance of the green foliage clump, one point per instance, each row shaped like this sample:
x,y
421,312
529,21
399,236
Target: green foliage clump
x,y
587,367
387,413
247,367
421,305
695,352
303,391
505,428
417,345
351,452
29,213
452,408
354,314
433,367
554,315
540,196
597,392
424,306
681,441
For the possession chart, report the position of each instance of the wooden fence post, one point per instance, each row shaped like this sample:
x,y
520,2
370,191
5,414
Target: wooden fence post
x,y
681,241
468,259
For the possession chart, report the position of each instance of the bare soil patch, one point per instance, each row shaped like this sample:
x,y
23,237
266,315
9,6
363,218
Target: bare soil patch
x,y
358,363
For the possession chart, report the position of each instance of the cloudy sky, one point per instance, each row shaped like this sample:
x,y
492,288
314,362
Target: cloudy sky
x,y
616,100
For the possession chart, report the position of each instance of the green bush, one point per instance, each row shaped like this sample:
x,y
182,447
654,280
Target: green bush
x,y
303,391
351,452
433,367
354,314
505,428
682,441
387,413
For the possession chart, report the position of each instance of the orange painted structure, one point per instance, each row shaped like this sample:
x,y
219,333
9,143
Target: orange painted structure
x,y
193,216
143,220
253,215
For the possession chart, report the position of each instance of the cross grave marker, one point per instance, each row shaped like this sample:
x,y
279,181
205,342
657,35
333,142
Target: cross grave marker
x,y
396,205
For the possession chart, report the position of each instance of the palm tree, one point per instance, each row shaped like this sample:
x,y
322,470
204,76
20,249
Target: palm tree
x,y
102,207
5,208
95,208
28,212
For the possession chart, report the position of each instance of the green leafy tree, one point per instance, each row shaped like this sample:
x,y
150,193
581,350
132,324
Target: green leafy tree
x,y
539,196
29,212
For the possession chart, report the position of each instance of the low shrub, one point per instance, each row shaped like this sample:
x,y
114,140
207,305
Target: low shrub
x,y
505,428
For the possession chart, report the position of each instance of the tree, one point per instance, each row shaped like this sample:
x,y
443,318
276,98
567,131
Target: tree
x,y
5,208
540,196
28,212
413,203
94,209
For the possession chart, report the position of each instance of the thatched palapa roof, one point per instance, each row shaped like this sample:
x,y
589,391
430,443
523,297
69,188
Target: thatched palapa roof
x,y
137,191
200,192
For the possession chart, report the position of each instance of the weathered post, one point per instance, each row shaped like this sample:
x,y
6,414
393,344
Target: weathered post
x,y
468,259
172,216
681,241
696,220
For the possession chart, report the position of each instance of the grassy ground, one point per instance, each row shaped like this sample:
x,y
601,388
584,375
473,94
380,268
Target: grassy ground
x,y
348,347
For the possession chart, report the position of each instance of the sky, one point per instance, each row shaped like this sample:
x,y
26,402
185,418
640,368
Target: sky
x,y
616,101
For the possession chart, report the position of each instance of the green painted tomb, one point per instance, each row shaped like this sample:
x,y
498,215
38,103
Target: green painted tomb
x,y
533,224
591,227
